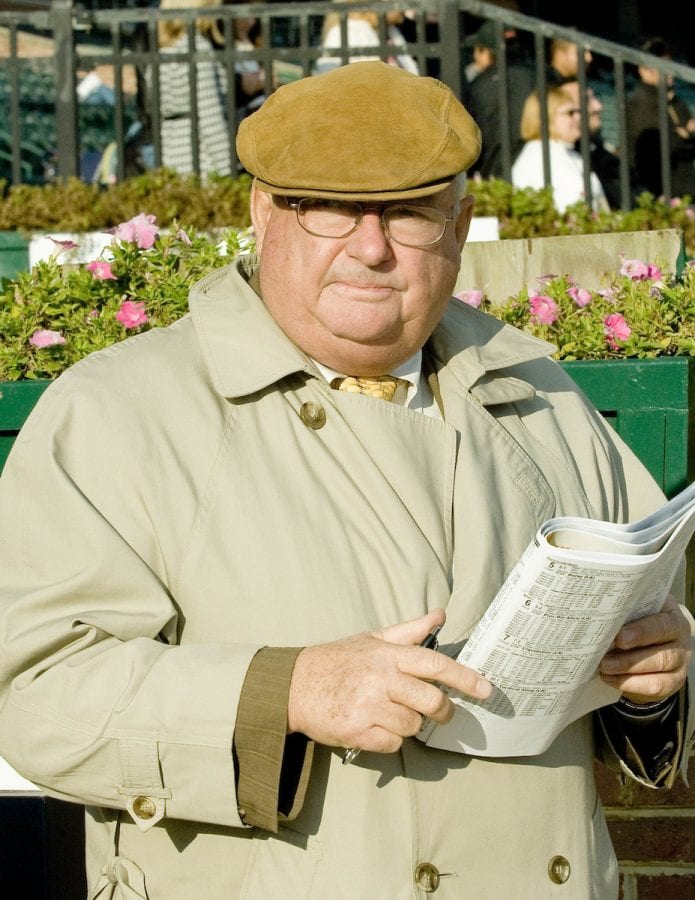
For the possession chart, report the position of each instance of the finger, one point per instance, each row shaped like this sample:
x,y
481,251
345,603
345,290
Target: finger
x,y
647,688
662,658
402,718
378,739
647,676
422,699
411,701
660,628
433,666
414,630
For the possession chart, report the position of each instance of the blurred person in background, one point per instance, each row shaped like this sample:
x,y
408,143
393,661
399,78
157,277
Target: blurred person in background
x,y
482,97
644,140
566,166
250,88
563,61
605,161
211,83
363,30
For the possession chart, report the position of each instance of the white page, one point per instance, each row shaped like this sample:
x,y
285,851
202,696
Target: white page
x,y
542,638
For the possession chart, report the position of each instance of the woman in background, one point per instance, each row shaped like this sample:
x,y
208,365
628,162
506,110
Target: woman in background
x,y
566,166
363,31
211,86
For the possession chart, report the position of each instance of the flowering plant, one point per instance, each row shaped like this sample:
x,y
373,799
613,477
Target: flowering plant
x,y
641,313
56,314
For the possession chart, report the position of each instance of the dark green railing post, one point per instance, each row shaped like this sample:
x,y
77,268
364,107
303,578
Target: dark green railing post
x,y
451,64
66,96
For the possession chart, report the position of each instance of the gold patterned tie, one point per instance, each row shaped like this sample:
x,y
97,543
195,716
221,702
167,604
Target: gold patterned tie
x,y
383,387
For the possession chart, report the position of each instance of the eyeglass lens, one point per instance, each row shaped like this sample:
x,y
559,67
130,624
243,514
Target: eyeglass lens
x,y
409,225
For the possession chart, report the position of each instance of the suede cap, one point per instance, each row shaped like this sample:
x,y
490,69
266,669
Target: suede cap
x,y
363,131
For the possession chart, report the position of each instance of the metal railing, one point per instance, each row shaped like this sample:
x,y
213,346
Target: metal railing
x,y
123,42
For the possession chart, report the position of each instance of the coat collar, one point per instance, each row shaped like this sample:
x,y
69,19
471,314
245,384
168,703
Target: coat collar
x,y
232,324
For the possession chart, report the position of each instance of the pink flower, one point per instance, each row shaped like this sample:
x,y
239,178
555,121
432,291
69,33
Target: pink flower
x,y
132,314
615,329
183,237
139,230
544,310
609,294
640,271
62,247
45,338
101,270
581,296
473,297
634,269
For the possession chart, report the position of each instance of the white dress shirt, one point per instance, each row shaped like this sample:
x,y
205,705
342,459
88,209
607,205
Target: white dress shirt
x,y
418,395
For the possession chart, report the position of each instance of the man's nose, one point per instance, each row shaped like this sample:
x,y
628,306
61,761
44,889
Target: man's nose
x,y
369,241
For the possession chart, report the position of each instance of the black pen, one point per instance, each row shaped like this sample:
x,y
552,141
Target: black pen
x,y
430,643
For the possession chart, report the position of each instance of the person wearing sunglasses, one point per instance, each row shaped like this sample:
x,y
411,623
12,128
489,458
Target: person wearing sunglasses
x,y
566,165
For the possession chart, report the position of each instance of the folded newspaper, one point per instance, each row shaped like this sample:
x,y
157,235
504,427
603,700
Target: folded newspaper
x,y
543,636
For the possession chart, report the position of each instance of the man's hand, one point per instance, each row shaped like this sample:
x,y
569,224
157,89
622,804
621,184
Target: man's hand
x,y
650,657
372,690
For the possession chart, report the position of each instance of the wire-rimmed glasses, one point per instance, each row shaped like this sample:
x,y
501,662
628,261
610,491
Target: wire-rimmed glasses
x,y
411,226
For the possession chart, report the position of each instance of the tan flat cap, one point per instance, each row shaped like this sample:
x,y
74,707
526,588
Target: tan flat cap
x,y
364,131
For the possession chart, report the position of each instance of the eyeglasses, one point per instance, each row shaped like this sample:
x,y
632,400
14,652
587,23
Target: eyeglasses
x,y
411,226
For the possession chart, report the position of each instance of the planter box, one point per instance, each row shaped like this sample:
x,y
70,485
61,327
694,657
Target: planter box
x,y
500,268
651,404
17,399
90,245
14,254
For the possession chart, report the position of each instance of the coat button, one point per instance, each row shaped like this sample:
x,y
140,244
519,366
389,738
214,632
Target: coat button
x,y
559,869
144,808
313,415
427,877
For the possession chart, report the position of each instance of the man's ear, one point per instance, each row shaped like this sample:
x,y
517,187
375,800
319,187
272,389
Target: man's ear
x,y
261,208
463,222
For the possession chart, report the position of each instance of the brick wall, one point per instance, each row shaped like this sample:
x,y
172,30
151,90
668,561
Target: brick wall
x,y
653,834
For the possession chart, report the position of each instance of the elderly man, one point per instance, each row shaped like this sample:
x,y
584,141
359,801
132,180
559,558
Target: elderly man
x,y
220,555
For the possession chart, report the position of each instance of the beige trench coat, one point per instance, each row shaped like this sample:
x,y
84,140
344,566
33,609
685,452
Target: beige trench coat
x,y
171,507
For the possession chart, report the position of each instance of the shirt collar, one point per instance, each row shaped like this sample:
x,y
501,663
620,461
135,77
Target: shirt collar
x,y
409,371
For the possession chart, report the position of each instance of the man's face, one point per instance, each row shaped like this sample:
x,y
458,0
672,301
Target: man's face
x,y
593,104
361,304
651,76
566,59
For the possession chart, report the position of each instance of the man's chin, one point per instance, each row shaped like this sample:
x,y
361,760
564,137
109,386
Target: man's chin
x,y
353,356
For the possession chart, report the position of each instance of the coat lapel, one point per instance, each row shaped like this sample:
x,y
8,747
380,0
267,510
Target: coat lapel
x,y
500,496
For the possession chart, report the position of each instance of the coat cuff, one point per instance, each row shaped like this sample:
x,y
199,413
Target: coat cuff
x,y
272,766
